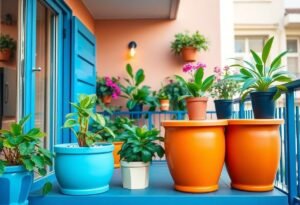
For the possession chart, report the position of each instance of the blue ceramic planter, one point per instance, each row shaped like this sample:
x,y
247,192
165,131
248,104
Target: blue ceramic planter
x,y
224,108
136,108
263,105
84,170
15,185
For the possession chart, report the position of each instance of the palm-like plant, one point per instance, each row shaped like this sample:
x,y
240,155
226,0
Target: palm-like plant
x,y
261,76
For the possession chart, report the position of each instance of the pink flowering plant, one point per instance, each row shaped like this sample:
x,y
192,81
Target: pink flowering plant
x,y
107,86
196,86
224,88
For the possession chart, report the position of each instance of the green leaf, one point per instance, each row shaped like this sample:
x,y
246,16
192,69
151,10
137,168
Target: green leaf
x,y
266,50
16,129
256,57
180,79
139,77
36,132
129,70
38,161
207,83
146,155
24,120
277,95
284,79
70,123
42,171
47,188
260,69
248,83
277,61
29,165
26,148
199,76
110,132
246,73
2,167
15,140
45,152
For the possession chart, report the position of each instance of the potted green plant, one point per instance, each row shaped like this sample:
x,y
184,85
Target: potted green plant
x,y
139,148
163,98
136,93
188,45
116,125
21,155
7,47
93,160
259,77
197,88
107,89
175,90
223,90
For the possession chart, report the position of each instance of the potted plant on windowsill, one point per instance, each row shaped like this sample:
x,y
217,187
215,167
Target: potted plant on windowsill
x,y
137,95
189,45
21,155
259,77
107,89
163,98
140,146
85,167
197,87
223,90
116,125
7,47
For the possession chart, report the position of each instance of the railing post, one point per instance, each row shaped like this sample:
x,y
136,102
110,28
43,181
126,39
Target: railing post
x,y
291,145
150,120
242,110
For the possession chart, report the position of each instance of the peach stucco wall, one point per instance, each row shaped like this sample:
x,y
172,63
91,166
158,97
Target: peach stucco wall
x,y
82,13
154,38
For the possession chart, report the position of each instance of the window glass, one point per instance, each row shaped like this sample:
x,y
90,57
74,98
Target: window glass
x,y
292,63
239,44
256,44
291,45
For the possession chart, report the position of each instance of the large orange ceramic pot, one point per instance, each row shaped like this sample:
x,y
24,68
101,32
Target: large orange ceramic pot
x,y
118,146
196,107
195,152
253,153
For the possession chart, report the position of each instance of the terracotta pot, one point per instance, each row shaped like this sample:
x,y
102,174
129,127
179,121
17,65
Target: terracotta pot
x,y
252,153
118,146
189,54
164,105
106,99
196,108
195,152
5,54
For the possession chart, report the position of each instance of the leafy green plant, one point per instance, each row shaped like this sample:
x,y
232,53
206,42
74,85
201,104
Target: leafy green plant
x,y
116,125
135,92
162,94
24,148
175,90
196,86
224,88
80,120
195,40
261,76
140,144
6,42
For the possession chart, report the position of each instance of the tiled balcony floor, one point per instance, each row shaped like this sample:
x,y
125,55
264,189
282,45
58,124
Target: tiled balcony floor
x,y
161,192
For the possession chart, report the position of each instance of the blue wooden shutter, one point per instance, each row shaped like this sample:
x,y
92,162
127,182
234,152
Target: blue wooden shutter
x,y
83,60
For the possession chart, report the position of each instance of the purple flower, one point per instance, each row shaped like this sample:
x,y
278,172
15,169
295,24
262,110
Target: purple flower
x,y
198,65
226,68
217,70
188,67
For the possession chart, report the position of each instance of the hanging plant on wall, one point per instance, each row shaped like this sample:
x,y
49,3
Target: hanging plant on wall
x,y
189,45
7,47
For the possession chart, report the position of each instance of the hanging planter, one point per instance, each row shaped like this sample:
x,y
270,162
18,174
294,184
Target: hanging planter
x,y
189,54
253,153
164,104
106,99
195,152
189,45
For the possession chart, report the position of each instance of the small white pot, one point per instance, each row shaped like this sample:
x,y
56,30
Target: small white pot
x,y
135,175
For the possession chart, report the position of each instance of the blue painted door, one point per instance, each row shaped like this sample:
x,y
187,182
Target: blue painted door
x,y
83,60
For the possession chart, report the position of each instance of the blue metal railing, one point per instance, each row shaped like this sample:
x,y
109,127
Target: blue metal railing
x,y
288,175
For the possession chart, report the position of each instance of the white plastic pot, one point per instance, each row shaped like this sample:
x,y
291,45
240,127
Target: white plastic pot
x,y
135,175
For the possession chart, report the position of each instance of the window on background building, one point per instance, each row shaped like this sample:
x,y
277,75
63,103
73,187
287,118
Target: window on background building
x,y
293,57
243,44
